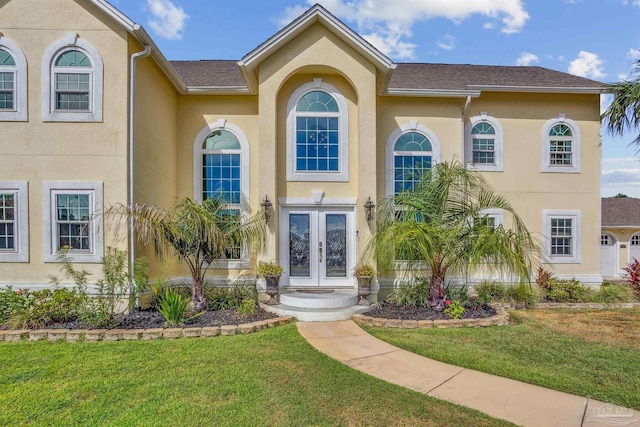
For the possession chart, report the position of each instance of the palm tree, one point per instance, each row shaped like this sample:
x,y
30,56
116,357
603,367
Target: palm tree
x,y
440,226
624,112
198,233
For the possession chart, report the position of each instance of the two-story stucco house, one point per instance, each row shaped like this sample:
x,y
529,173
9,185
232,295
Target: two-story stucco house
x,y
314,119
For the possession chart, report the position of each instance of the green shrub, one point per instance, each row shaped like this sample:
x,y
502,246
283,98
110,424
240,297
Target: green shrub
x,y
247,307
364,270
524,295
9,299
45,307
229,298
457,293
173,306
611,293
455,310
491,292
413,294
269,269
559,290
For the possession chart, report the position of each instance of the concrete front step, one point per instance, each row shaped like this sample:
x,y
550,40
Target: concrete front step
x,y
306,314
336,299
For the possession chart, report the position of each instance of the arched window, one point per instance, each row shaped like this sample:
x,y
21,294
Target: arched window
x,y
411,151
13,82
221,170
317,134
484,143
561,146
72,81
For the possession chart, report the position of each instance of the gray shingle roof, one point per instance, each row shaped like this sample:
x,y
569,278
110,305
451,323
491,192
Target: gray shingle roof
x,y
225,73
620,212
209,73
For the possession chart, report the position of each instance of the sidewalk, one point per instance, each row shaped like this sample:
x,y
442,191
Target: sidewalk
x,y
515,401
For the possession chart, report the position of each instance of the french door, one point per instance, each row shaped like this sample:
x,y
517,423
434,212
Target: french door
x,y
317,247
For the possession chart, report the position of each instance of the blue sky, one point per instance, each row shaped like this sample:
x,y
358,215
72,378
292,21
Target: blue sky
x,y
598,39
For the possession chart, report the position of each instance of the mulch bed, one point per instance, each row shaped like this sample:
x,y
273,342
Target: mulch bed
x,y
389,311
153,319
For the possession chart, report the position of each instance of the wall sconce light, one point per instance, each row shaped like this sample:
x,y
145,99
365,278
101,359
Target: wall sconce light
x,y
368,210
266,208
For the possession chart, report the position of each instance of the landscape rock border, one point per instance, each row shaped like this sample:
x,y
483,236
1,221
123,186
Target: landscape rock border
x,y
95,335
501,318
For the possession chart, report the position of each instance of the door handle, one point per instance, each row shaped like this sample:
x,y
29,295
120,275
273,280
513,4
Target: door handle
x,y
320,251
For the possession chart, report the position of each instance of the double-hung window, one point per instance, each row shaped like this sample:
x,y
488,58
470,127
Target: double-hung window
x,y
14,228
73,220
561,146
72,75
484,143
8,71
13,82
562,236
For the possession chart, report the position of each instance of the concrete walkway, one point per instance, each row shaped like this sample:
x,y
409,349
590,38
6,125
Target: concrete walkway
x,y
515,401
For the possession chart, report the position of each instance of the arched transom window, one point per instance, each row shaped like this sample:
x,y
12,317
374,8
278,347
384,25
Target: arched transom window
x,y
317,133
561,146
412,157
221,167
8,71
72,73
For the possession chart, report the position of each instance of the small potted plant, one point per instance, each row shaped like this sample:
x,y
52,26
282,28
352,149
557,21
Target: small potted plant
x,y
364,273
271,273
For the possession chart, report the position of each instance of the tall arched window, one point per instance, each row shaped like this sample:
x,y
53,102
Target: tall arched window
x,y
484,143
221,170
72,75
13,82
317,134
411,151
561,146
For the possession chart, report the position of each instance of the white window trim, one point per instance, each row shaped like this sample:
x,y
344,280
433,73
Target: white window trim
x,y
223,124
412,126
498,166
575,215
575,146
497,214
49,114
21,191
19,113
342,175
49,190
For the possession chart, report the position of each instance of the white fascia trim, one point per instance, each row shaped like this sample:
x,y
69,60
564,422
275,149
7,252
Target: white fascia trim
x,y
439,93
115,14
342,175
539,89
412,126
311,16
72,40
499,144
575,215
21,208
309,201
20,113
575,146
222,124
49,188
218,90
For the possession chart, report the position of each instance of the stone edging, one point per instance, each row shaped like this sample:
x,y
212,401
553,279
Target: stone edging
x,y
501,318
95,335
585,305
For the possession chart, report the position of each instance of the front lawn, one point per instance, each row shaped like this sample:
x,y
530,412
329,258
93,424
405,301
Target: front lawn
x,y
271,378
592,353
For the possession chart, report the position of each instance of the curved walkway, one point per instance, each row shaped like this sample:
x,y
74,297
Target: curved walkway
x,y
511,400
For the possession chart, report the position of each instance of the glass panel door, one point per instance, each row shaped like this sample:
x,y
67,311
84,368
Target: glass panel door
x,y
299,245
336,245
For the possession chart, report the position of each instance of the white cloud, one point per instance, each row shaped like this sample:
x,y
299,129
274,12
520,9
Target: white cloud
x,y
167,19
489,26
634,2
621,175
634,53
587,64
527,58
388,24
447,42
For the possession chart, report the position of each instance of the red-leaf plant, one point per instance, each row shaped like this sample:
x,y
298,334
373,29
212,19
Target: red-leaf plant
x,y
633,274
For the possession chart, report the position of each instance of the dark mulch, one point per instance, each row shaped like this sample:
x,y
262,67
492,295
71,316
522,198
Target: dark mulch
x,y
153,319
389,311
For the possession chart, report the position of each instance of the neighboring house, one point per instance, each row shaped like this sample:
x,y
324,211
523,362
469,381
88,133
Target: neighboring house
x,y
315,119
620,238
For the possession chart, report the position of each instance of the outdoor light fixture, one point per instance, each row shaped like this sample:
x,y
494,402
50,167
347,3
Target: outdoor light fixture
x,y
368,210
266,208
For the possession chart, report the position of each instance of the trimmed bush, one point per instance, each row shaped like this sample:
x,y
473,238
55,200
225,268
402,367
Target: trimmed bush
x,y
560,290
611,293
413,294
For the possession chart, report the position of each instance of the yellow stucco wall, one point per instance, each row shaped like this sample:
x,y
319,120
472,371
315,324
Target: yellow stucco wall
x,y
36,151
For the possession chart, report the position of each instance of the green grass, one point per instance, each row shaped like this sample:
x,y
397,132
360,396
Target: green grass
x,y
592,353
271,378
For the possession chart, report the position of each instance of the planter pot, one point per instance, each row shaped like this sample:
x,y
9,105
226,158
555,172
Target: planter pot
x,y
147,300
364,289
272,289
